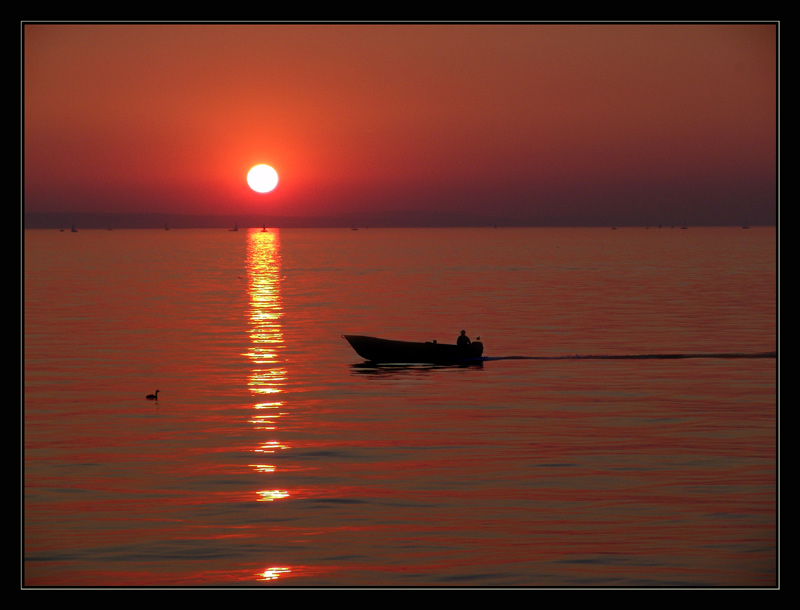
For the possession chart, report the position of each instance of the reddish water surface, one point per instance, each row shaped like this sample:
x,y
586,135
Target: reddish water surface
x,y
273,457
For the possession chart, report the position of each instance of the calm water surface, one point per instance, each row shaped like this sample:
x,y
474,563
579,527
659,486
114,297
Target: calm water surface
x,y
273,457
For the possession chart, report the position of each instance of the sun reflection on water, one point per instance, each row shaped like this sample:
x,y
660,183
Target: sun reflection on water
x,y
270,447
273,573
268,495
268,375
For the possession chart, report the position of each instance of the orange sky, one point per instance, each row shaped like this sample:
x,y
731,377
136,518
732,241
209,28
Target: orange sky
x,y
570,124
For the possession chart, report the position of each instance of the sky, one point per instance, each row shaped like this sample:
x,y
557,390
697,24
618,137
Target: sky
x,y
566,124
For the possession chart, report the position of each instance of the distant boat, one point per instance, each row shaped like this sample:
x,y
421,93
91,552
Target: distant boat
x,y
235,227
166,227
388,351
74,230
264,229
746,225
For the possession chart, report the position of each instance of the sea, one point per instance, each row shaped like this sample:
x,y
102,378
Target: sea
x,y
621,430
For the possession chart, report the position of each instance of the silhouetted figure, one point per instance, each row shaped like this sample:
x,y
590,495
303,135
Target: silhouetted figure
x,y
153,396
463,340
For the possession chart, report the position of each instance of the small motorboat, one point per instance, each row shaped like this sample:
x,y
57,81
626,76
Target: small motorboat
x,y
389,351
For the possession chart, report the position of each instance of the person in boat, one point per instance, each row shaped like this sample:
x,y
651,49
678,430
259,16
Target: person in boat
x,y
463,340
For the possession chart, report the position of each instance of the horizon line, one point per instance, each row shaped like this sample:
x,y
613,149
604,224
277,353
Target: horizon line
x,y
351,220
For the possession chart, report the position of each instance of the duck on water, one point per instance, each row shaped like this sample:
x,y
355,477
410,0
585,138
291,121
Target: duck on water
x,y
153,396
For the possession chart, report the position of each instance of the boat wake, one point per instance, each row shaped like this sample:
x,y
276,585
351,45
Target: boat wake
x,y
639,356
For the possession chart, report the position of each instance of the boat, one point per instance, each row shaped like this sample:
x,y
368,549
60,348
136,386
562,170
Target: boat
x,y
390,351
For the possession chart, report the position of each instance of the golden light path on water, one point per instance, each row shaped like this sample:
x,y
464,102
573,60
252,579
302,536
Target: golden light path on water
x,y
268,376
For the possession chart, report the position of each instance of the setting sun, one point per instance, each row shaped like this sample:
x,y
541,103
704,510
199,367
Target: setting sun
x,y
262,178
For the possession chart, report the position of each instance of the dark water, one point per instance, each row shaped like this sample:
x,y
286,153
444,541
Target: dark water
x,y
621,432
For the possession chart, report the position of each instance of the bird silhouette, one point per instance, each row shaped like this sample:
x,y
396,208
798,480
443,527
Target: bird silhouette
x,y
153,396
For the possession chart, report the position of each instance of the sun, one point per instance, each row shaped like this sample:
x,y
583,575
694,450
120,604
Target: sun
x,y
262,178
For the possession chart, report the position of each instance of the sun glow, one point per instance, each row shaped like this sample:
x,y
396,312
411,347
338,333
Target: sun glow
x,y
262,178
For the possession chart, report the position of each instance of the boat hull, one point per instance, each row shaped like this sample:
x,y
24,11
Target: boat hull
x,y
388,351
